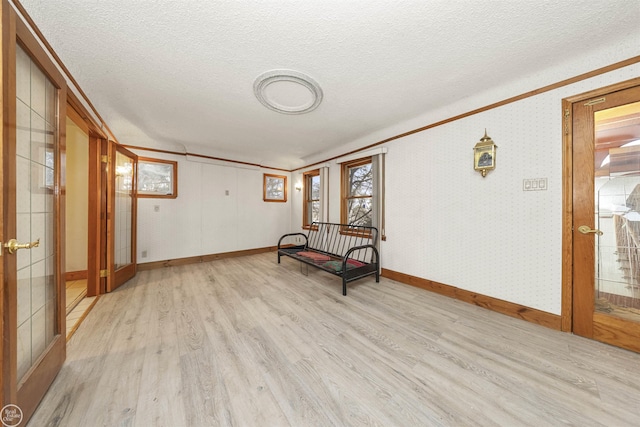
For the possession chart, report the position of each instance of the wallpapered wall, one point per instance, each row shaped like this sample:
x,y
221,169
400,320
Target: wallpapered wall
x,y
446,223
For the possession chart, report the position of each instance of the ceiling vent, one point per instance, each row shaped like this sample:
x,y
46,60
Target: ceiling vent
x,y
287,91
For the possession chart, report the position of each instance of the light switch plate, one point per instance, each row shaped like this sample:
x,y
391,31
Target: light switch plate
x,y
534,184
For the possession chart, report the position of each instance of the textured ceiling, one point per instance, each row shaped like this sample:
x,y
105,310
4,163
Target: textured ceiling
x,y
179,74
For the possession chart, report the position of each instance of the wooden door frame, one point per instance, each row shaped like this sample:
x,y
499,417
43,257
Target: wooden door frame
x,y
567,194
7,378
96,169
97,207
94,238
106,150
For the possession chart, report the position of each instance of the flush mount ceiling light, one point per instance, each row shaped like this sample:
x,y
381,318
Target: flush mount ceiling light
x,y
287,91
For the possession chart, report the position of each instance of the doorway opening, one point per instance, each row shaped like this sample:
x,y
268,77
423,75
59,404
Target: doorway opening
x,y
76,250
78,302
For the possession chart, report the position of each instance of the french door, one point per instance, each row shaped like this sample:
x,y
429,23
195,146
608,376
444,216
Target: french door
x,y
606,215
32,233
122,216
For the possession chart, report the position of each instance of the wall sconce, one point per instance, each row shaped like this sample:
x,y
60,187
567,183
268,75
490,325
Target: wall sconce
x,y
484,155
298,186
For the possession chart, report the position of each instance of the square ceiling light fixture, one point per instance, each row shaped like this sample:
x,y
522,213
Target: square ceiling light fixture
x,y
287,91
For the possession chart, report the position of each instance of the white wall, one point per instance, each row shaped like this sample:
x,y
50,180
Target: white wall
x,y
203,220
77,198
446,223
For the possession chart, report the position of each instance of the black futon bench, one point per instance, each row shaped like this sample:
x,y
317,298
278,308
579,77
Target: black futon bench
x,y
348,251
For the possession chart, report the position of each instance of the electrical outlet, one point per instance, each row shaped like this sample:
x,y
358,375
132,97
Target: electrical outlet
x,y
144,254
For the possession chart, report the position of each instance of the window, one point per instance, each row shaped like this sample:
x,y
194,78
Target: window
x,y
157,178
311,206
357,192
274,188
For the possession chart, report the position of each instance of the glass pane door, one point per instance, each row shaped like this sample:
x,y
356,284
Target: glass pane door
x,y
617,208
123,210
122,223
36,121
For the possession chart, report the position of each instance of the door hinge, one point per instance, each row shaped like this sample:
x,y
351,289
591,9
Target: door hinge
x,y
567,114
104,273
104,159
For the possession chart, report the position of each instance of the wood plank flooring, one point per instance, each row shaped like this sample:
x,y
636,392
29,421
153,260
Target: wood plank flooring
x,y
77,315
75,290
248,342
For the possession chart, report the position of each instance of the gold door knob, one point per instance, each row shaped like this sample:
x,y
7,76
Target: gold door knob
x,y
585,229
13,245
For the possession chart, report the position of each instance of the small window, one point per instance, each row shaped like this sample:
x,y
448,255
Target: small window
x,y
157,178
274,188
311,207
357,192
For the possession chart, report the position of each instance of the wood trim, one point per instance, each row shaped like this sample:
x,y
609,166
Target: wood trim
x,y
110,214
32,47
75,275
123,274
203,156
344,186
106,248
307,177
174,194
95,129
156,150
607,329
4,110
73,115
585,96
60,206
203,258
567,218
134,214
511,309
382,187
8,309
264,188
30,393
94,237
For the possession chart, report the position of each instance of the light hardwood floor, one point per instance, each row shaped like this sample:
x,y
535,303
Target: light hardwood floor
x,y
77,315
248,342
76,290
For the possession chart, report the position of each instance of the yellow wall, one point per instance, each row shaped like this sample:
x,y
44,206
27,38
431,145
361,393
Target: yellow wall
x,y
77,197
